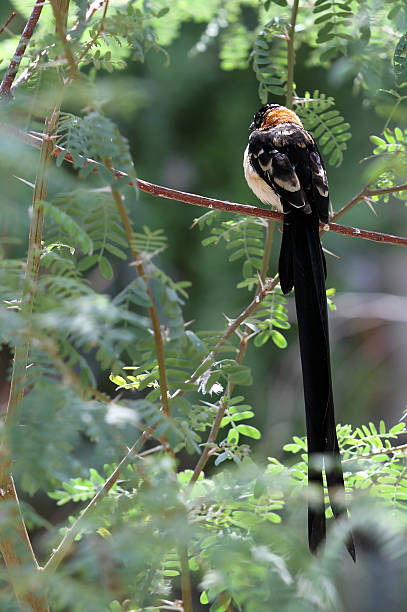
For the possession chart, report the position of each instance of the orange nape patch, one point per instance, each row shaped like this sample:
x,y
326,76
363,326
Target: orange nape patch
x,y
275,116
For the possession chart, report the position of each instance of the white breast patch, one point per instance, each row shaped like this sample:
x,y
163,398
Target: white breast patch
x,y
259,187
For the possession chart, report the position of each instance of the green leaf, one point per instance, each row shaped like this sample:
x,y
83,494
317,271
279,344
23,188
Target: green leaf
x,y
249,431
400,60
278,339
261,338
400,427
220,606
325,123
222,457
233,437
105,268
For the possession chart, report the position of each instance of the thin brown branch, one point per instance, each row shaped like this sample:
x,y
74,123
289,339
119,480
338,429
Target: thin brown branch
x,y
72,379
291,55
185,581
13,14
60,23
152,310
266,254
98,33
261,293
18,562
385,451
16,556
232,207
32,267
366,192
67,541
203,459
10,74
231,329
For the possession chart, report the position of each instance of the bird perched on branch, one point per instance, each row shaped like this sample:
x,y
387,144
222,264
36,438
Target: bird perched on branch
x,y
283,167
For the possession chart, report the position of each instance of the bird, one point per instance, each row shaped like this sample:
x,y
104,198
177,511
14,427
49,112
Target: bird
x,y
284,168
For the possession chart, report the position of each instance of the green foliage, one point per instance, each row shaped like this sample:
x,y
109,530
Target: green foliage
x,y
93,321
325,123
333,20
389,162
400,60
96,137
100,228
244,236
270,60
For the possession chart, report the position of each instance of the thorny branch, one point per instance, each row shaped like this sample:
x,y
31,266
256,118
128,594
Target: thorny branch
x,y
13,14
152,310
66,543
10,74
233,207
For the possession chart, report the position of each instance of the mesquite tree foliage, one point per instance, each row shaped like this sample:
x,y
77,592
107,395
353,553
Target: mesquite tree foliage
x,y
154,528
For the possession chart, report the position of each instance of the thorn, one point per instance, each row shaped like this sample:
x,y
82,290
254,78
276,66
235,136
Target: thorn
x,y
330,253
24,181
369,203
261,283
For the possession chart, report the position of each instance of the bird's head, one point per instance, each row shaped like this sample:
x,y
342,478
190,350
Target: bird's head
x,y
270,115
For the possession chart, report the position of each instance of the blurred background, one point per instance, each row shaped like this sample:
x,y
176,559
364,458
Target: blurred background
x,y
187,123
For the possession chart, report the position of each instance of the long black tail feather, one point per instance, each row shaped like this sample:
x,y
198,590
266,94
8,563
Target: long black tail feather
x,y
302,265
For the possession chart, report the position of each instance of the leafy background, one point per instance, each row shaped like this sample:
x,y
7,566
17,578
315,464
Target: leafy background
x,y
185,112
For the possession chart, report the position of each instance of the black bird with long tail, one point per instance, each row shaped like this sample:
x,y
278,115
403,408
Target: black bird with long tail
x,y
283,167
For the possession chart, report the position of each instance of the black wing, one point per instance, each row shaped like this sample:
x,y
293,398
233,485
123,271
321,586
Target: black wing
x,y
287,159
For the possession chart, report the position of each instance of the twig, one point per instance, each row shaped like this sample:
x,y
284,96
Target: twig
x,y
233,207
13,557
385,451
366,192
232,327
60,32
66,543
10,74
152,310
261,293
266,254
203,459
16,558
100,30
19,365
13,14
291,55
185,581
49,347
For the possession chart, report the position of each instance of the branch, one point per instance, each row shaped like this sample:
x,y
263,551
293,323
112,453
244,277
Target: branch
x,y
231,329
10,74
203,459
233,207
13,14
60,25
185,581
14,555
365,193
152,310
291,55
244,339
100,30
66,543
385,451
